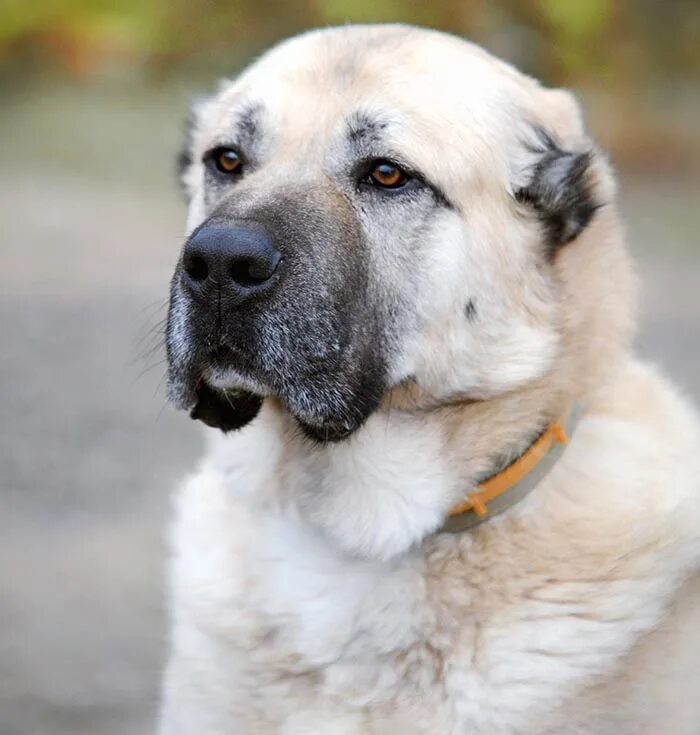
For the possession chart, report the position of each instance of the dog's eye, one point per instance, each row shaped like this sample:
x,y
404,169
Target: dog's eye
x,y
387,175
226,160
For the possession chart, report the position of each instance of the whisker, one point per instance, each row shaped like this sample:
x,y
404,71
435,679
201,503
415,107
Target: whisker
x,y
148,369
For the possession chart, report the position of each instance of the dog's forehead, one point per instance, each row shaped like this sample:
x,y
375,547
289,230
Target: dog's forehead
x,y
308,88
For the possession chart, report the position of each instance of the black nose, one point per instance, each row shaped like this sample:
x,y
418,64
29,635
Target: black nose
x,y
240,260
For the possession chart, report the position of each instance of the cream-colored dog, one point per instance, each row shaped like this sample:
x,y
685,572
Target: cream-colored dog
x,y
405,279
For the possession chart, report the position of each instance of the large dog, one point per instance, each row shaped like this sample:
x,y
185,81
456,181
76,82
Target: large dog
x,y
405,281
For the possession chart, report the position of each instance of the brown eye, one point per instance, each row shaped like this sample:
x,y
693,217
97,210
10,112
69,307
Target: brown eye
x,y
388,175
226,160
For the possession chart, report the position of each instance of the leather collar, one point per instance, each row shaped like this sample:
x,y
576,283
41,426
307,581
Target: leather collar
x,y
504,489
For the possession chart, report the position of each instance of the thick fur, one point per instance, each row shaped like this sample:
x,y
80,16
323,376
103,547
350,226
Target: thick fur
x,y
309,590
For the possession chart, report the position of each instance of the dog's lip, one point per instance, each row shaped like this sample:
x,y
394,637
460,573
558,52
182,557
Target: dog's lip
x,y
222,356
222,370
226,411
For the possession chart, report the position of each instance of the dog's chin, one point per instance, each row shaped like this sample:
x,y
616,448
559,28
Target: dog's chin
x,y
228,398
226,410
232,409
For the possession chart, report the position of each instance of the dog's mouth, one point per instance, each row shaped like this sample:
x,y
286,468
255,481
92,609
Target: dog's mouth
x,y
228,409
224,409
226,387
219,401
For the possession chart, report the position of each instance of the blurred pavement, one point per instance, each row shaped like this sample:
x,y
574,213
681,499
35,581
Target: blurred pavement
x,y
90,226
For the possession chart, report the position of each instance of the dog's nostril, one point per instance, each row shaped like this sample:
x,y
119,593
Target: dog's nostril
x,y
196,267
251,272
239,261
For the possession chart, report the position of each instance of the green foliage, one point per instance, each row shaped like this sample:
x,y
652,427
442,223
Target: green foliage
x,y
573,37
362,11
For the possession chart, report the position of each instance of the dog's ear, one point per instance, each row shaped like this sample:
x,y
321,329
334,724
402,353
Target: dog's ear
x,y
559,187
184,156
184,160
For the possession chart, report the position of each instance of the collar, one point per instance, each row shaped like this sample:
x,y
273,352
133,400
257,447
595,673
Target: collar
x,y
504,489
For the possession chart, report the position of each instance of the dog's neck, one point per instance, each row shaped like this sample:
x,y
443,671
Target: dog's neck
x,y
381,492
518,478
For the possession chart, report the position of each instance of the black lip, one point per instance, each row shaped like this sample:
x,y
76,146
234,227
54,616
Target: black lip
x,y
227,411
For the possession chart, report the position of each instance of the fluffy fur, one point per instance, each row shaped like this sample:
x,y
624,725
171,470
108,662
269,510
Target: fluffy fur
x,y
309,590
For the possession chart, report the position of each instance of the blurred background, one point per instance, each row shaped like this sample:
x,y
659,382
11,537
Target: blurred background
x,y
92,95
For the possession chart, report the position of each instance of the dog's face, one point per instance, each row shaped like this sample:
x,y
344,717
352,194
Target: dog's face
x,y
372,207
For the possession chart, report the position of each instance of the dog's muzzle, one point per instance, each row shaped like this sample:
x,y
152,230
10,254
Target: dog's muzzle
x,y
273,300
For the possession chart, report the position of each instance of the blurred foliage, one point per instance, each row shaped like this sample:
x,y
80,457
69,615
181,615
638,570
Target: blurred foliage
x,y
562,40
635,62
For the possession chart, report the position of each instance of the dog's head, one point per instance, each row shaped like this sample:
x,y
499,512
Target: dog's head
x,y
379,207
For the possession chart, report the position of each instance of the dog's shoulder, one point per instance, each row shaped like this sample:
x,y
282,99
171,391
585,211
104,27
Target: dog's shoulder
x,y
552,602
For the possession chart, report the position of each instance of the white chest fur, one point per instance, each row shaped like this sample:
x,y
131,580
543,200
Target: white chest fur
x,y
277,629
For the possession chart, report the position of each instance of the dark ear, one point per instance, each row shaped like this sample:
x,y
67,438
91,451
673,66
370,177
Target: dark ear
x,y
184,156
560,190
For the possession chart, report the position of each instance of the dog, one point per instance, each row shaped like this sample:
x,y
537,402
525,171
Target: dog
x,y
440,494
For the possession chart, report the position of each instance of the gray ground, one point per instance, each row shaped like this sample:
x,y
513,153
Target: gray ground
x,y
89,229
